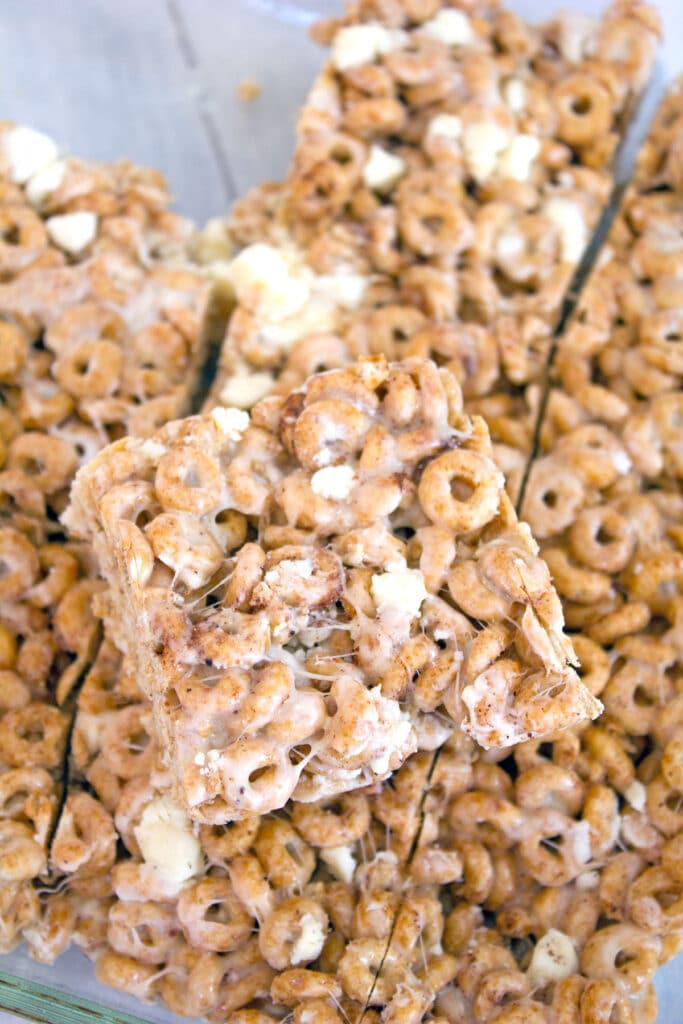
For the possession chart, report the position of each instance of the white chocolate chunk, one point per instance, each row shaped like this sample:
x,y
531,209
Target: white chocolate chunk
x,y
264,283
577,32
567,216
243,390
382,170
308,946
447,126
356,45
72,232
27,152
553,959
167,842
398,593
334,482
483,142
635,794
341,862
451,27
232,422
44,182
516,160
514,93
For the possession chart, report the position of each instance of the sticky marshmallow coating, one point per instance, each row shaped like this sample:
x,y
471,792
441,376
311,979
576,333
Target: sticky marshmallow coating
x,y
290,638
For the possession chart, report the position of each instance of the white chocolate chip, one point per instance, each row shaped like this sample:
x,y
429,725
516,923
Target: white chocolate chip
x,y
621,462
399,592
44,182
483,142
232,422
382,170
356,45
635,794
514,94
567,216
509,243
451,27
576,34
334,482
27,152
447,126
308,946
341,862
246,389
72,232
266,283
516,160
167,842
553,959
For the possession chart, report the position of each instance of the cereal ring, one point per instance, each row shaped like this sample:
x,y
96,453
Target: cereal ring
x,y
188,480
466,473
19,564
211,916
293,933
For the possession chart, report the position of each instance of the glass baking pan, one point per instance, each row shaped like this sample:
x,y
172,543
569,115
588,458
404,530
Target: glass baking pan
x,y
157,82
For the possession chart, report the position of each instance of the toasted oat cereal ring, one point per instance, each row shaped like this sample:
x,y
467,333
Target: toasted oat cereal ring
x,y
460,490
602,539
656,901
144,930
49,461
594,664
13,351
14,693
657,580
21,857
359,968
293,933
127,974
228,926
332,169
60,570
471,593
553,498
19,564
287,859
185,546
329,431
88,322
433,225
189,480
232,639
33,736
584,109
221,843
89,369
22,238
622,953
334,822
127,746
374,117
85,840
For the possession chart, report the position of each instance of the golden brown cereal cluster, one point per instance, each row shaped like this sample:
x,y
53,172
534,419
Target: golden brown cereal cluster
x,y
451,165
319,590
96,339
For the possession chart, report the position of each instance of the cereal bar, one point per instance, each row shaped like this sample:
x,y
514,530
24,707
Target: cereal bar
x,y
97,337
103,326
451,165
310,593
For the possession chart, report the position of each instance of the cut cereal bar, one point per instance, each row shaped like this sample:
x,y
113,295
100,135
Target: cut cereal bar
x,y
452,163
308,594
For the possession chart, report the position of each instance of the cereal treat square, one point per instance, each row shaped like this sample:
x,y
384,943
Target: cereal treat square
x,y
452,163
103,323
310,594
